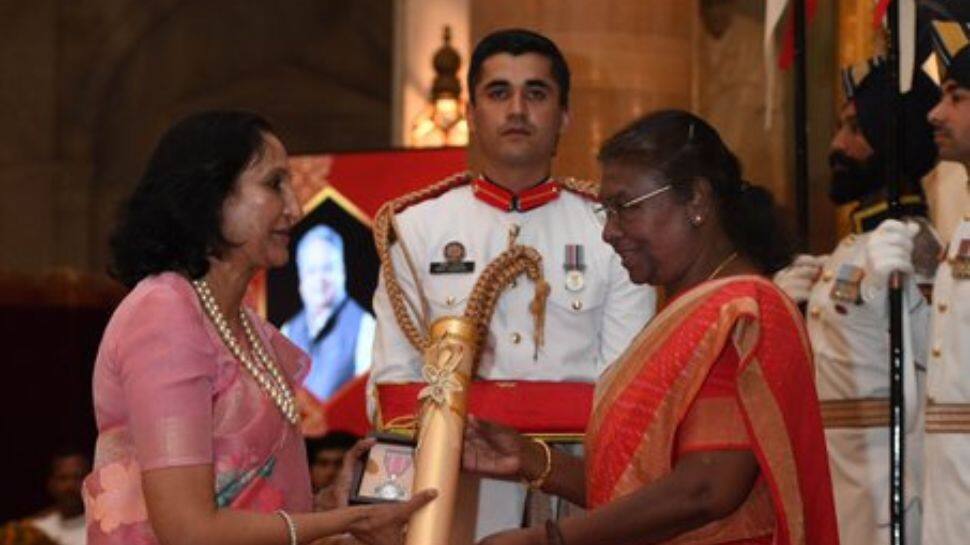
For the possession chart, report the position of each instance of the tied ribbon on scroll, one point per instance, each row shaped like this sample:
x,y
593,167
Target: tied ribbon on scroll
x,y
447,387
441,376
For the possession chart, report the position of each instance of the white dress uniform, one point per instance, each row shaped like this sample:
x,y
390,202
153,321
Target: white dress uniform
x,y
947,491
848,330
587,324
62,531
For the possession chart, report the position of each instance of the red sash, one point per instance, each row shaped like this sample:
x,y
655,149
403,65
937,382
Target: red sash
x,y
642,399
549,409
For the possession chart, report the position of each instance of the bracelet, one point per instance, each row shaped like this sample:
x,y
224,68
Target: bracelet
x,y
290,525
536,484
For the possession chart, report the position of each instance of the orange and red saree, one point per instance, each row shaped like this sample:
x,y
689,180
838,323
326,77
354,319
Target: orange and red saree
x,y
643,400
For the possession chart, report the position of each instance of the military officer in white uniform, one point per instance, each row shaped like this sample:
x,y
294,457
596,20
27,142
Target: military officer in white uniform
x,y
847,307
519,85
947,480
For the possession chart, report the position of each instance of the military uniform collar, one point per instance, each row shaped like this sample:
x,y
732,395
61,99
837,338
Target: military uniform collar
x,y
491,193
867,218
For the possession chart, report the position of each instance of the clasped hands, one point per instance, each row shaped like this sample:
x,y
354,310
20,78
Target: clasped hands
x,y
490,450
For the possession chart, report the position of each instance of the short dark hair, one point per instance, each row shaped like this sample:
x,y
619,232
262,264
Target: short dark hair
x,y
63,452
518,41
684,148
173,219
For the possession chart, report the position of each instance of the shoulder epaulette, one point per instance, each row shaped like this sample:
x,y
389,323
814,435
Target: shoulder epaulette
x,y
432,191
587,189
385,236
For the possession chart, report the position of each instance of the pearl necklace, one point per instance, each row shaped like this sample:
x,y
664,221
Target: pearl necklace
x,y
262,367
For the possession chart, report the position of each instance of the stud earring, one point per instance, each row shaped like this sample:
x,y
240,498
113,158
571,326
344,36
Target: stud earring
x,y
696,220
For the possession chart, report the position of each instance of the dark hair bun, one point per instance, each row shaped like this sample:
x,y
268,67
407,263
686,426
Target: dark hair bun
x,y
684,148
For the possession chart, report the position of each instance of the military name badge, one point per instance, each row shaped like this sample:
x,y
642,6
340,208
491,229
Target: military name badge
x,y
454,263
575,265
960,264
847,287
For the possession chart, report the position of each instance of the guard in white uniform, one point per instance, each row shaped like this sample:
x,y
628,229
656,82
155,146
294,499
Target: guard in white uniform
x,y
593,310
519,85
947,487
847,308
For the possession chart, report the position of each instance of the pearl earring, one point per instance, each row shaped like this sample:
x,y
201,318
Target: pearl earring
x,y
696,220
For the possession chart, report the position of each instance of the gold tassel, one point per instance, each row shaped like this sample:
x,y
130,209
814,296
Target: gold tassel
x,y
538,310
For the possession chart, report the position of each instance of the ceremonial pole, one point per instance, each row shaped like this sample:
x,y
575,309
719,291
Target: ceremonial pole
x,y
894,136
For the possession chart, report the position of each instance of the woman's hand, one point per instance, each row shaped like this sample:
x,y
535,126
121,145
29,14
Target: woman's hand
x,y
524,536
383,524
500,452
337,493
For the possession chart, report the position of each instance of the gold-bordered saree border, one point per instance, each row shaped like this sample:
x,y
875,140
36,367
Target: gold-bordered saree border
x,y
636,410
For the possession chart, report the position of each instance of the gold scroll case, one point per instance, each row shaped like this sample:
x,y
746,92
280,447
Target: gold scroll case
x,y
451,348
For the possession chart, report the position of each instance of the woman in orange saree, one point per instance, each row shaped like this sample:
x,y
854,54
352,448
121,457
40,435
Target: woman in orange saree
x,y
707,430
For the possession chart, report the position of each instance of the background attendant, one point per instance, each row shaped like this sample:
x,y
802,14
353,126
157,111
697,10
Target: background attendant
x,y
326,457
63,522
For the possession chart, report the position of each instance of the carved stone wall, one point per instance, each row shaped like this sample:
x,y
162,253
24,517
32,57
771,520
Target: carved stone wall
x,y
89,86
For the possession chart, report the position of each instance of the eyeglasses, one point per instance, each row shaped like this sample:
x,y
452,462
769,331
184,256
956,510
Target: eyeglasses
x,y
607,209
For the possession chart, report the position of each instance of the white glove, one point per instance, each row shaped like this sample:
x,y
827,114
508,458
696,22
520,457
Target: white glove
x,y
889,248
797,279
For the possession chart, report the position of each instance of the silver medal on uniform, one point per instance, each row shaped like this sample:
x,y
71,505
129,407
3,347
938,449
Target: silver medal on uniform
x,y
575,265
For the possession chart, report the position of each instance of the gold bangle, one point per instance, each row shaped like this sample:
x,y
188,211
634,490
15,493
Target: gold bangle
x,y
536,484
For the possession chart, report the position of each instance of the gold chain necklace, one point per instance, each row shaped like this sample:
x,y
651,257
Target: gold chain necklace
x,y
262,368
723,264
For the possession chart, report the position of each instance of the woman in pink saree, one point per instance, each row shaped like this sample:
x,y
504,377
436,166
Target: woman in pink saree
x,y
707,429
198,440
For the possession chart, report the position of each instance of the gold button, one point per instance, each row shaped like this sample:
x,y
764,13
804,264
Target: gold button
x,y
514,229
937,352
942,306
516,338
827,276
815,312
577,305
450,300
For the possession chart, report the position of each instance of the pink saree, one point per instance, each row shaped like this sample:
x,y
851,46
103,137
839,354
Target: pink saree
x,y
168,393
